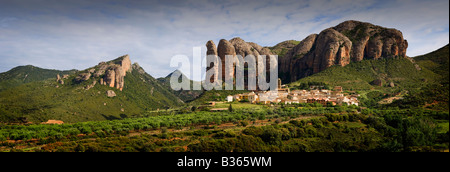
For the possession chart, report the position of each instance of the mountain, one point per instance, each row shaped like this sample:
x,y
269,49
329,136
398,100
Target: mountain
x,y
350,41
110,90
25,74
185,95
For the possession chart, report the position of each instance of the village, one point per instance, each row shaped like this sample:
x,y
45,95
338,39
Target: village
x,y
283,95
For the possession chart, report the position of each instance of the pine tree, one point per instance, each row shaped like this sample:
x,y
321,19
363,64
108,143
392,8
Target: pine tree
x,y
230,108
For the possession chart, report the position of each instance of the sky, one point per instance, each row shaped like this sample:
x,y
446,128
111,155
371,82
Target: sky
x,y
78,34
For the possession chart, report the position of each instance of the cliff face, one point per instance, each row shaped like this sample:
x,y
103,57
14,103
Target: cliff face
x,y
340,45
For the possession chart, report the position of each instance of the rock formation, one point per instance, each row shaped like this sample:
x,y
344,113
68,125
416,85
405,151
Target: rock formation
x,y
59,79
340,45
234,47
110,93
82,77
371,41
116,70
212,50
137,68
296,52
110,73
224,49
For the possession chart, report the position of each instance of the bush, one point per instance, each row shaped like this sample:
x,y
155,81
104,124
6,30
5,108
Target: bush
x,y
271,135
254,131
243,123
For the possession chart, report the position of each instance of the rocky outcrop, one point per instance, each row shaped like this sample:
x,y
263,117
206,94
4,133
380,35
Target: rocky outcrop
x,y
110,78
212,50
234,47
110,93
224,49
332,48
314,54
110,73
297,51
82,77
340,45
59,79
371,41
138,68
116,70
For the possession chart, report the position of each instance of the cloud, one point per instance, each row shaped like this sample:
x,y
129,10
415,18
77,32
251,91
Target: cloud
x,y
79,34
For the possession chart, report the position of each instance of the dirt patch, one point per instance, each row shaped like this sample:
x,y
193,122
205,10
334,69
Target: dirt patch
x,y
52,121
389,100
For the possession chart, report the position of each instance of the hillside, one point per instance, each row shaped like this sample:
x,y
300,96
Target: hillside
x,y
215,95
361,75
283,47
437,61
82,99
26,74
423,83
185,95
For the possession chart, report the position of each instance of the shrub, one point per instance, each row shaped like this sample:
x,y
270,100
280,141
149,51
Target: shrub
x,y
254,131
271,135
243,123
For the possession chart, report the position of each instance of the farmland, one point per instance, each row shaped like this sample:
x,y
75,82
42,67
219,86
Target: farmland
x,y
254,128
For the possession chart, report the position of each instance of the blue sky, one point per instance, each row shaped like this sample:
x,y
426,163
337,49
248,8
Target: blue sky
x,y
63,35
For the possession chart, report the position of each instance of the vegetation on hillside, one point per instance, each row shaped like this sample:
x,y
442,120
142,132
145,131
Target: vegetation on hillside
x,y
72,102
437,61
360,75
26,74
282,48
185,95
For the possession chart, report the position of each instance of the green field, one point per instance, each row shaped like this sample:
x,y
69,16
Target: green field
x,y
237,105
